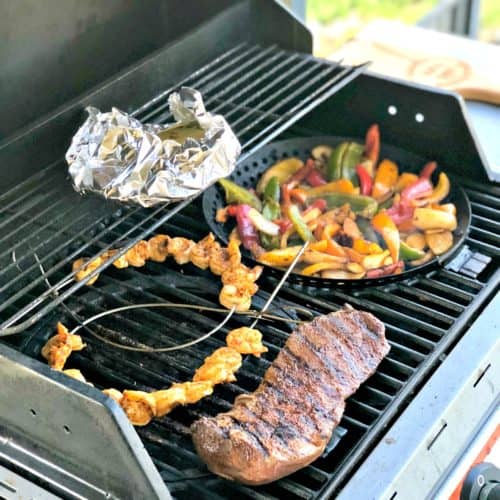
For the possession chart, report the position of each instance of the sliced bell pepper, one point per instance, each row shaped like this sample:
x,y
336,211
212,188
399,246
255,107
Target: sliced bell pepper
x,y
343,161
299,224
298,195
365,247
239,195
330,230
366,228
428,170
406,252
374,260
372,145
272,190
361,205
319,204
419,189
386,227
365,180
339,186
315,178
281,257
282,170
385,180
354,256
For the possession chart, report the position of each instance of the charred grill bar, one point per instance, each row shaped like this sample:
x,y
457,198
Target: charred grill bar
x,y
264,92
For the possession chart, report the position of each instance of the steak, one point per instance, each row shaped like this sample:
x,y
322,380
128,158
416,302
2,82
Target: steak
x,y
288,421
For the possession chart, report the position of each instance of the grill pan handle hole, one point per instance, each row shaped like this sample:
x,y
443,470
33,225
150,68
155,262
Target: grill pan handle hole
x,y
419,117
67,430
33,412
392,110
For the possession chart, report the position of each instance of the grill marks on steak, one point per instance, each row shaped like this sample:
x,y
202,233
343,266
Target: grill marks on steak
x,y
287,422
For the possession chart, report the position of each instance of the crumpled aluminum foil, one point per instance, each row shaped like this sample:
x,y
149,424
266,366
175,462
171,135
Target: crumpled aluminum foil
x,y
123,159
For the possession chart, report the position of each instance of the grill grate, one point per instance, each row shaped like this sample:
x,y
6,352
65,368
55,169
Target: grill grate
x,y
424,316
44,216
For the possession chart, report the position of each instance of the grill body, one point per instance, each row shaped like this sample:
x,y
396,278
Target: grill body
x,y
66,436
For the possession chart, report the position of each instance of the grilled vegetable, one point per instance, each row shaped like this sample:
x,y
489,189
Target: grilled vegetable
x,y
240,195
361,205
428,218
340,186
440,192
388,230
406,252
365,180
385,180
282,170
246,229
343,161
440,242
372,147
299,224
281,257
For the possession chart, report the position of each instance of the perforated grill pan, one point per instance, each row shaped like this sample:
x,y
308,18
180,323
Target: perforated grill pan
x,y
249,171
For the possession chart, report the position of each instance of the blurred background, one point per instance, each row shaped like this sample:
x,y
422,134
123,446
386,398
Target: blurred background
x,y
333,22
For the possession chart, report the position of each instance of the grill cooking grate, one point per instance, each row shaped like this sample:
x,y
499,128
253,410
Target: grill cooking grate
x,y
260,92
424,316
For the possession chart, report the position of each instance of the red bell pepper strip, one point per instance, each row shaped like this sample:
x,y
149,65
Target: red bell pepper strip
x,y
372,144
301,173
428,170
247,231
400,212
365,180
319,203
315,178
284,225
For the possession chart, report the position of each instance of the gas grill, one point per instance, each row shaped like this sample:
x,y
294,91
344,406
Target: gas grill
x,y
250,60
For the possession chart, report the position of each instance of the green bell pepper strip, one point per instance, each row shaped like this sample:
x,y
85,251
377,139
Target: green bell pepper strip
x,y
344,160
298,223
272,190
408,253
239,195
369,234
360,205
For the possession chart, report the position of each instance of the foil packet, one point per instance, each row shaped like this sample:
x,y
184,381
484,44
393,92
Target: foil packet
x,y
119,157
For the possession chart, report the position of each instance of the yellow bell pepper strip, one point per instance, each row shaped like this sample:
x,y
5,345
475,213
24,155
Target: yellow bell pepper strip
x,y
310,214
282,257
333,248
405,179
360,205
440,192
271,211
374,261
339,186
330,230
239,195
319,246
372,145
365,180
365,247
406,252
343,161
427,218
321,266
298,223
389,232
385,180
282,170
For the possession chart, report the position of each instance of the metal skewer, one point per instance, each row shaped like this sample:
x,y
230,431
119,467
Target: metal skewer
x,y
280,284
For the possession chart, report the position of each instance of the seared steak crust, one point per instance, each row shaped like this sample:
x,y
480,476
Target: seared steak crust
x,y
287,422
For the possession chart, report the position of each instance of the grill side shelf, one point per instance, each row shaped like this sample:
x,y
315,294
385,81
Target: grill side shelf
x,y
69,435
